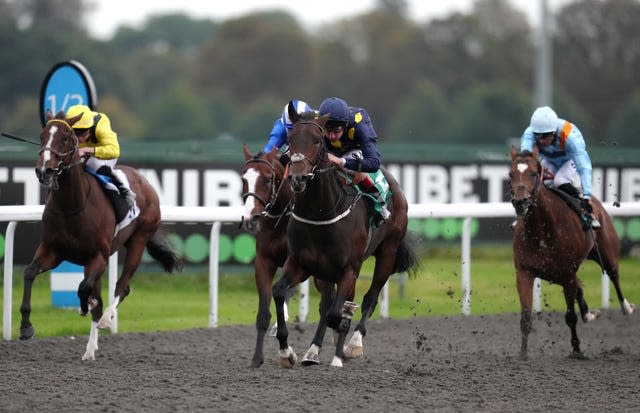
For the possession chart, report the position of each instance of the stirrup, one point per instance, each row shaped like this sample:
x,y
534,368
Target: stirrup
x,y
595,224
513,224
129,196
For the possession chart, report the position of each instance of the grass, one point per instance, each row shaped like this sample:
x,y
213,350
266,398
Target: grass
x,y
161,302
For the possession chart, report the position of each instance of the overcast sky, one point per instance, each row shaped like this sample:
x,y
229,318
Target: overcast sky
x,y
109,14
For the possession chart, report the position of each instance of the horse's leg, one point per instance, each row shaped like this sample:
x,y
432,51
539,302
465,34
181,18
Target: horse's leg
x,y
292,276
265,269
135,247
582,304
608,261
338,317
96,313
524,283
312,356
385,261
570,317
43,260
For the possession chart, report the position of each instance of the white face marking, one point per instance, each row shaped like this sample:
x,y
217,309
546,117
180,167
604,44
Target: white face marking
x,y
46,153
522,167
251,176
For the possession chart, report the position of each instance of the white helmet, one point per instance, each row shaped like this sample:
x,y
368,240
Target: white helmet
x,y
299,106
544,120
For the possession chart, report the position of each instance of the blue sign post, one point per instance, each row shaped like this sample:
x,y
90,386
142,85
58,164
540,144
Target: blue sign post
x,y
66,84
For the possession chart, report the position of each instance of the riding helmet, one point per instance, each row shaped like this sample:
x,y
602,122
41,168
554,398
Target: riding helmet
x,y
337,109
300,106
544,120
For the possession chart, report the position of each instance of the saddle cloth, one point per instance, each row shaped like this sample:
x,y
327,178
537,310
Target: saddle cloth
x,y
124,214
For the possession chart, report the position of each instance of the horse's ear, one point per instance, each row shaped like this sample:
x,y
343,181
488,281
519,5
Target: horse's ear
x,y
49,115
73,120
294,116
247,153
514,152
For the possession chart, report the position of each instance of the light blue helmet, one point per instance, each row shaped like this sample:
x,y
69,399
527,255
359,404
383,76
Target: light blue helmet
x,y
544,120
300,106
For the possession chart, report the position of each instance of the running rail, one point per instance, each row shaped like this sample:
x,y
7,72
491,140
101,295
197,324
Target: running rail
x,y
216,215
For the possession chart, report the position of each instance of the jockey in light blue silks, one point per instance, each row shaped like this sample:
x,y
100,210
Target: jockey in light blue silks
x,y
563,153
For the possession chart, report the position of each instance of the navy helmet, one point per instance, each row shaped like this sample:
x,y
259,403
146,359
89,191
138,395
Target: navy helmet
x,y
337,109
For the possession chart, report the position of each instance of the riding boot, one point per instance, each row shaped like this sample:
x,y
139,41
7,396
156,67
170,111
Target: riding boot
x,y
367,185
126,193
589,220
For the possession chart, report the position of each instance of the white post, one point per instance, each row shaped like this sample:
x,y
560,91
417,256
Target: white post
x,y
466,266
8,280
384,303
537,294
604,288
113,279
213,273
304,301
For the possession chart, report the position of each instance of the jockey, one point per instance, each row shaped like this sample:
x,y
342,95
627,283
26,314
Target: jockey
x,y
563,153
99,144
352,145
282,126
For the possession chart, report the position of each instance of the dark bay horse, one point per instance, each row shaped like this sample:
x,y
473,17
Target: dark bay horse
x,y
549,243
78,225
330,236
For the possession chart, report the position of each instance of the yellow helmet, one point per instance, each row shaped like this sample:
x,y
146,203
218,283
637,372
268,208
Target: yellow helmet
x,y
86,121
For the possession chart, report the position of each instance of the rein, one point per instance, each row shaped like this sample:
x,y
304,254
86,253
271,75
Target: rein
x,y
268,205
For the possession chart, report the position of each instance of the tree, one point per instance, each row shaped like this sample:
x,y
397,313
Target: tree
x,y
596,58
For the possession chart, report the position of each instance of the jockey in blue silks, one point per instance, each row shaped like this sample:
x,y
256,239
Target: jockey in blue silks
x,y
563,152
352,144
282,126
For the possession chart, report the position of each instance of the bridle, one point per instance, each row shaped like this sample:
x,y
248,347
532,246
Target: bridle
x,y
299,157
523,205
64,163
273,192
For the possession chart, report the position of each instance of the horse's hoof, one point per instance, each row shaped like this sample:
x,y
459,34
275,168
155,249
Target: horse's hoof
x,y
287,358
336,362
591,315
104,323
627,308
353,352
89,356
310,359
27,332
578,355
255,363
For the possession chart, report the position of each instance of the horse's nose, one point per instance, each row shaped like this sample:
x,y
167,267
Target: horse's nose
x,y
44,174
298,182
250,225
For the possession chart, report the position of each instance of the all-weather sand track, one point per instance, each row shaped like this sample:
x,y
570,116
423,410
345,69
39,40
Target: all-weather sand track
x,y
457,364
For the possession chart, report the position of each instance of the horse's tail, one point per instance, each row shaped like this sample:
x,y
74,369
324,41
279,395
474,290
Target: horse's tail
x,y
406,259
162,251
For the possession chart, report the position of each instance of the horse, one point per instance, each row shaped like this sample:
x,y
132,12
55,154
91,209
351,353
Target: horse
x,y
79,226
549,242
266,202
330,235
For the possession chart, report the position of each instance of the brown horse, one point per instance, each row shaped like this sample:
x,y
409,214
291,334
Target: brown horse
x,y
549,243
78,225
266,216
330,236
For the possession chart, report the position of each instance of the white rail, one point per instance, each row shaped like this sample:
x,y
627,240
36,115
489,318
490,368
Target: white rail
x,y
216,215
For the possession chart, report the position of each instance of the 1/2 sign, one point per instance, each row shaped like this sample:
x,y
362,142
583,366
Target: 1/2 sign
x,y
66,84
